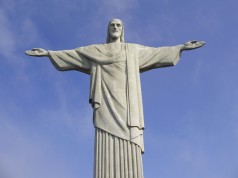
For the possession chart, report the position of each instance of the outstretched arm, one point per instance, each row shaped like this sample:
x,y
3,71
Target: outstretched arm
x,y
151,58
63,60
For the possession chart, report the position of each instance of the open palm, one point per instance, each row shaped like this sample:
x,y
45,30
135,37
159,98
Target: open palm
x,y
193,45
38,52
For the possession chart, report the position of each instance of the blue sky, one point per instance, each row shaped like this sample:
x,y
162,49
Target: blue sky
x,y
191,110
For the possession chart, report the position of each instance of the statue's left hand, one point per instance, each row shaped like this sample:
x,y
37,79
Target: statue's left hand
x,y
38,52
193,45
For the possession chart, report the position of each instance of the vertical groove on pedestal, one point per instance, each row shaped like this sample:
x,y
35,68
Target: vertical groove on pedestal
x,y
116,157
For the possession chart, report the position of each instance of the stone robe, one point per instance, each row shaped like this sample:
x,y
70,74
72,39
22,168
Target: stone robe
x,y
115,92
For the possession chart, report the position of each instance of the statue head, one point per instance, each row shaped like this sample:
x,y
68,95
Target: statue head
x,y
115,31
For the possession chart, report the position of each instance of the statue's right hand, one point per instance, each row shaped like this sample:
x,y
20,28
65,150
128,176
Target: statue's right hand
x,y
38,52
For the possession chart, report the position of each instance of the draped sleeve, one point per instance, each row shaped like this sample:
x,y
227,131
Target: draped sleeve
x,y
70,60
81,59
151,58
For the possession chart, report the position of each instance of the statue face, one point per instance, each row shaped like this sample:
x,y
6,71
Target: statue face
x,y
115,29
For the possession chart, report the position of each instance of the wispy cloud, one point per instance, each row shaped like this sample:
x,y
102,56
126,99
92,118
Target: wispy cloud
x,y
29,33
24,155
67,111
14,35
7,42
34,153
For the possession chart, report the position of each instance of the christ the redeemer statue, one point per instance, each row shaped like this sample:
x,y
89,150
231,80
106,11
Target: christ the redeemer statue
x,y
115,95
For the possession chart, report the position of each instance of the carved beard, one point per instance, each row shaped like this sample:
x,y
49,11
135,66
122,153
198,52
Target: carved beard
x,y
115,35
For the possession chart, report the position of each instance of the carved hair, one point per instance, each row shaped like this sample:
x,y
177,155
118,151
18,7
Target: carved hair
x,y
122,32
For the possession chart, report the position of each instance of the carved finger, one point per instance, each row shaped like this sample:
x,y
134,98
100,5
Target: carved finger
x,y
28,52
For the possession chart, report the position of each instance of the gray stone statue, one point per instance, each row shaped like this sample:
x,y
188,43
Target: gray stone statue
x,y
115,95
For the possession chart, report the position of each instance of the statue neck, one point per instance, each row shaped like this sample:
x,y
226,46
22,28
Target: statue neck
x,y
117,40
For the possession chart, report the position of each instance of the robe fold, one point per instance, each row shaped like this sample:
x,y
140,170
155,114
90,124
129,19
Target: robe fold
x,y
115,91
115,95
